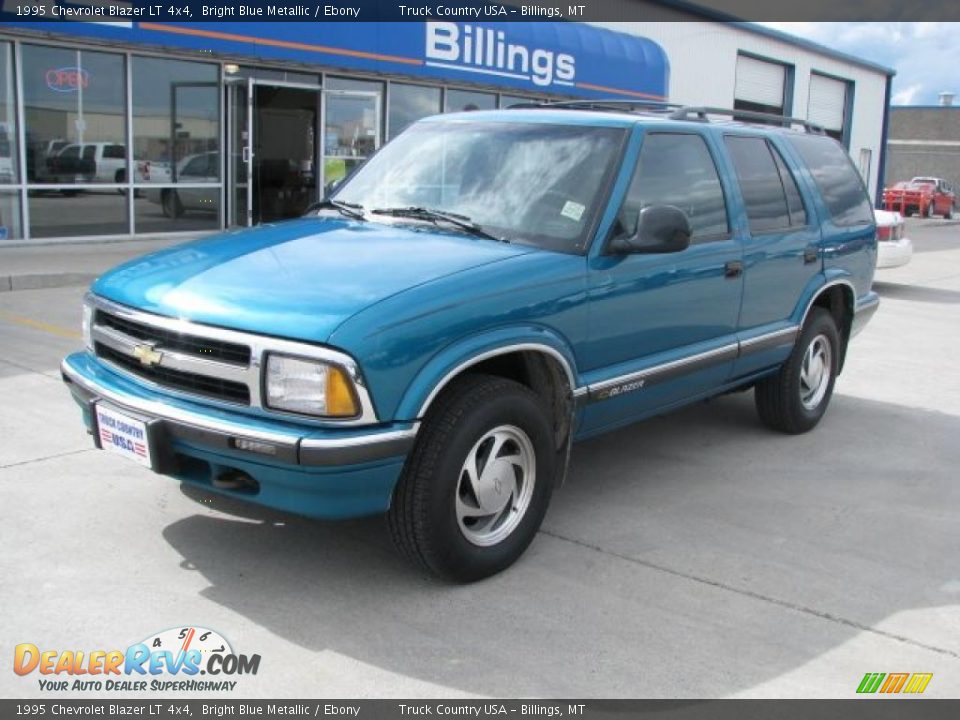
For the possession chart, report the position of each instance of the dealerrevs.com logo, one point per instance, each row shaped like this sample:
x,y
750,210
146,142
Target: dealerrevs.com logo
x,y
893,683
174,660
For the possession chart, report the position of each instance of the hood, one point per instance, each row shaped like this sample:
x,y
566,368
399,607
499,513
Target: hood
x,y
298,279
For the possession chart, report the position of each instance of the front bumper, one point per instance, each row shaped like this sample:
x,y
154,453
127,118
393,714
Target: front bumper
x,y
331,473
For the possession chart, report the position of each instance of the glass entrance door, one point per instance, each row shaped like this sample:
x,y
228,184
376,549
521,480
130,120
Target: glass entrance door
x,y
351,132
239,102
277,164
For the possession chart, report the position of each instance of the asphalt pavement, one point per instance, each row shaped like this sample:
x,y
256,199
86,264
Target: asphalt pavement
x,y
694,555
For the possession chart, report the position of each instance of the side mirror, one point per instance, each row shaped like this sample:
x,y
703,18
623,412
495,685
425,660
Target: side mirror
x,y
660,229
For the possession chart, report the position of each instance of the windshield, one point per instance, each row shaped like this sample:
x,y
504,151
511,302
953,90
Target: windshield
x,y
529,183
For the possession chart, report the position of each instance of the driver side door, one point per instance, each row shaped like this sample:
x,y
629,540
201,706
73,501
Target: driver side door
x,y
663,326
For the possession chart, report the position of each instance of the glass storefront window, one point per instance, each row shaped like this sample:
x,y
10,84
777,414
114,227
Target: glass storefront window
x,y
172,209
8,125
66,213
176,120
458,100
74,109
409,103
10,227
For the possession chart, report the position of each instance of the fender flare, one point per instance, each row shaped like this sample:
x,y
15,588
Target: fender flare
x,y
816,287
467,352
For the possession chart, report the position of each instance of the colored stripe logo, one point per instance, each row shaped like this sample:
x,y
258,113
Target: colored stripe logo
x,y
892,683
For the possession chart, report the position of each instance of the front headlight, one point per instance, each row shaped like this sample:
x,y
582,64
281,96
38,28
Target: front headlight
x,y
87,322
310,387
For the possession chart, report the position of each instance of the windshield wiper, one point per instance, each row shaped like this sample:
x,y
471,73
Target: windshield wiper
x,y
349,209
461,221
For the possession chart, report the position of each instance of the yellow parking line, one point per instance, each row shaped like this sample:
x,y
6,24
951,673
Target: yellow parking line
x,y
40,325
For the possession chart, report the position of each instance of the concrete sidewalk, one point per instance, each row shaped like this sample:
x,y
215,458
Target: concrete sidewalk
x,y
47,266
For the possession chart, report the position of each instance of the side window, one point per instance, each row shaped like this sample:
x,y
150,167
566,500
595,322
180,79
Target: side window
x,y
677,169
760,184
798,215
836,178
769,190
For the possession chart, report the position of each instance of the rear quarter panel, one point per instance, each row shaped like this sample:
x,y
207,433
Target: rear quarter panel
x,y
848,253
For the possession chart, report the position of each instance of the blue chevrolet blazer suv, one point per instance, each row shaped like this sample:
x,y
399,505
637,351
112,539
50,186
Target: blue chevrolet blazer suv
x,y
430,340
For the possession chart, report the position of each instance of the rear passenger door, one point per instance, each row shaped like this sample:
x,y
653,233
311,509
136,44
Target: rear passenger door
x,y
663,326
781,250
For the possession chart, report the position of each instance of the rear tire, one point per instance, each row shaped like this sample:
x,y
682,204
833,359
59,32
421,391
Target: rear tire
x,y
794,400
948,215
477,484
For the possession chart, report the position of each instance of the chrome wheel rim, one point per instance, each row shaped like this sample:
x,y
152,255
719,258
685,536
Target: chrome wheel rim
x,y
815,371
495,485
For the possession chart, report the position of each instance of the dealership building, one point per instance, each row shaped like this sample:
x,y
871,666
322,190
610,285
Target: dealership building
x,y
132,129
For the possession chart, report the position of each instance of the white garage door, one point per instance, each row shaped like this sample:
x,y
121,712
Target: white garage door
x,y
760,82
827,103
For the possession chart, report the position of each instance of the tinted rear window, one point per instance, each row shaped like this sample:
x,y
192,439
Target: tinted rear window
x,y
836,178
760,183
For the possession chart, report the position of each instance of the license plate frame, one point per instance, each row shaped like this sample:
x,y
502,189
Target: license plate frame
x,y
124,434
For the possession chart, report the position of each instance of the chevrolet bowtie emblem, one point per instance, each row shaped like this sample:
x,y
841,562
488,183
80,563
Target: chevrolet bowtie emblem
x,y
147,355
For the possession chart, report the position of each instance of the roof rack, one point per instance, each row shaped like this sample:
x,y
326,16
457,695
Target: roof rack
x,y
700,114
675,111
604,104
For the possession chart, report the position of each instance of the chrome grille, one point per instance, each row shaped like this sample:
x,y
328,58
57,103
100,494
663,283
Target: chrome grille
x,y
158,349
203,360
170,340
187,382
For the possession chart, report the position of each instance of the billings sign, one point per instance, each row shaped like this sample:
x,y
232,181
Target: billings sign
x,y
563,58
485,51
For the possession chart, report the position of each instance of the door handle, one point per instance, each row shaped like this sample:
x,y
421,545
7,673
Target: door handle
x,y
732,269
810,254
246,153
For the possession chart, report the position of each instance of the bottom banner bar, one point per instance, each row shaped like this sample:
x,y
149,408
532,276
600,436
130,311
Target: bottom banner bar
x,y
854,709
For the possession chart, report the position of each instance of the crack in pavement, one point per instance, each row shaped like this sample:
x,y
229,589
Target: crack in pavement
x,y
821,614
67,453
50,374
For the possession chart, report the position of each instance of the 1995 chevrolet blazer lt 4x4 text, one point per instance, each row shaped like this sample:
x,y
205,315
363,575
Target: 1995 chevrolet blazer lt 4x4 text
x,y
490,287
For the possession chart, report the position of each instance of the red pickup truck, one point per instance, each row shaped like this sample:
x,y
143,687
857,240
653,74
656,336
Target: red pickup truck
x,y
925,196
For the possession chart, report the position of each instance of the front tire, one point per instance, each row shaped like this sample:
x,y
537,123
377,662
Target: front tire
x,y
948,215
794,400
477,483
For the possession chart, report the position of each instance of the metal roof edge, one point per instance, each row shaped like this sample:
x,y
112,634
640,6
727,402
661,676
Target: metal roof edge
x,y
719,16
809,45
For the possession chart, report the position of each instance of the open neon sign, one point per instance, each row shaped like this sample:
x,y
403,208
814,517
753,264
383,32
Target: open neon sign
x,y
67,79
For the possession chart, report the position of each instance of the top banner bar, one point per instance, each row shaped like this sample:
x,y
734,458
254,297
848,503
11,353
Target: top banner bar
x,y
311,11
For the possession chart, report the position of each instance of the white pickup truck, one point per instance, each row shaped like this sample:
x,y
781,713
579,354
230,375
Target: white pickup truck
x,y
95,162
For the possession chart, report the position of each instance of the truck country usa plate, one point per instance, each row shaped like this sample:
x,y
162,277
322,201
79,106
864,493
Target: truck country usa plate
x,y
123,435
